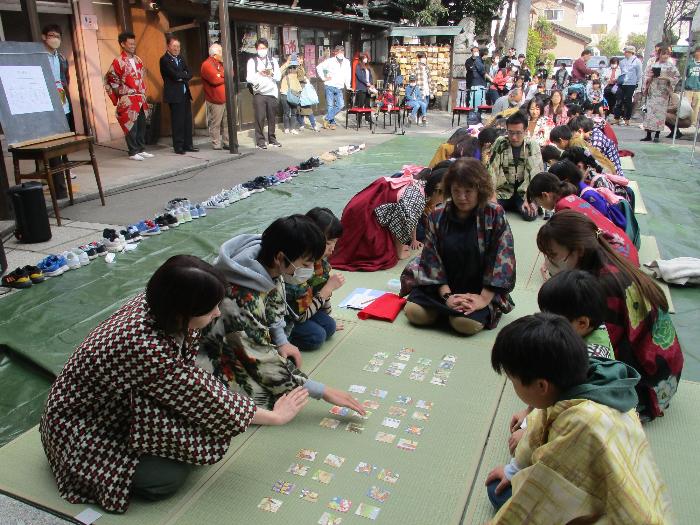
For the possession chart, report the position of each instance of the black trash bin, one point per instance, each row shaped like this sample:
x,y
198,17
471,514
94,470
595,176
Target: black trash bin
x,y
31,218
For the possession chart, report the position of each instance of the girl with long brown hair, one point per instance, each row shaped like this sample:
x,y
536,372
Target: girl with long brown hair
x,y
638,321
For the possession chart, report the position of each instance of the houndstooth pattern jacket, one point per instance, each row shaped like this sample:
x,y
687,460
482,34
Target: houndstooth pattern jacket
x,y
129,390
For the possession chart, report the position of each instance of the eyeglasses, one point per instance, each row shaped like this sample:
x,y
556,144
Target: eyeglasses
x,y
512,133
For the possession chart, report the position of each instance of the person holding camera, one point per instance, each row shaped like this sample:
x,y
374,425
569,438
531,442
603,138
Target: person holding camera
x,y
262,75
660,78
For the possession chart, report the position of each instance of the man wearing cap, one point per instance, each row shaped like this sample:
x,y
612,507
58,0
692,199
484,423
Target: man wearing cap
x,y
630,74
336,75
212,72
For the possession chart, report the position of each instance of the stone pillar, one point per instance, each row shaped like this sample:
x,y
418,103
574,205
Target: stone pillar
x,y
460,53
655,29
522,24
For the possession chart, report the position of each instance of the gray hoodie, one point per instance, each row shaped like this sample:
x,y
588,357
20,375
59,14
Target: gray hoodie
x,y
237,261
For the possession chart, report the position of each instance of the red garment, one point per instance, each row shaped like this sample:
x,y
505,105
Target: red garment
x,y
365,245
212,72
131,390
613,234
384,308
610,133
580,71
126,88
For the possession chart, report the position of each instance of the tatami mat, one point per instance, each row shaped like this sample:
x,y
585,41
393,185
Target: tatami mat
x,y
627,164
639,207
649,251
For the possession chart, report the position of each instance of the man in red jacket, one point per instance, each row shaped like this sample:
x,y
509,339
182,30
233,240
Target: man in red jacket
x,y
215,95
580,70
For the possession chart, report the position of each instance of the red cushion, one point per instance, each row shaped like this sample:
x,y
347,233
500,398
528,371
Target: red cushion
x,y
394,108
485,106
462,108
360,110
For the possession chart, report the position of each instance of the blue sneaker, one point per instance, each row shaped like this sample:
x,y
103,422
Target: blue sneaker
x,y
53,265
147,228
200,209
194,212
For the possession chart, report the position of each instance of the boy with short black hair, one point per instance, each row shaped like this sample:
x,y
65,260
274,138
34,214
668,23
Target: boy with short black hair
x,y
584,456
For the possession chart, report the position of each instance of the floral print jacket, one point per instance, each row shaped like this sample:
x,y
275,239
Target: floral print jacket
x,y
495,247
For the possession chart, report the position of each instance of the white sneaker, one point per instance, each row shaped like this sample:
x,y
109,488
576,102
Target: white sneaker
x,y
72,260
286,132
294,132
82,257
213,204
147,155
136,157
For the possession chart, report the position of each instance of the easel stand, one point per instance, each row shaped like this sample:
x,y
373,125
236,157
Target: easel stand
x,y
42,152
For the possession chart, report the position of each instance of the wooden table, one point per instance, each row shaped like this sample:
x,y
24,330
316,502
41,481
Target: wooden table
x,y
41,153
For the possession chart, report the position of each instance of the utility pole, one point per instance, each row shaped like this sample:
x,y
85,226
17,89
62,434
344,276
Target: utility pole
x,y
522,24
231,95
655,29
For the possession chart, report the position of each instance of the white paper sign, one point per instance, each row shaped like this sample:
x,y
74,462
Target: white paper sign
x,y
25,89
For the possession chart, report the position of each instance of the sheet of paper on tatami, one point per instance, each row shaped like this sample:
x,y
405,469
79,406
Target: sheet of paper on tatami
x,y
441,481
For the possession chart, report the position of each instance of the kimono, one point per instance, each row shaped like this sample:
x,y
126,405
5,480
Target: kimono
x,y
586,462
645,339
496,249
506,175
126,88
541,131
659,93
130,390
303,300
608,148
240,349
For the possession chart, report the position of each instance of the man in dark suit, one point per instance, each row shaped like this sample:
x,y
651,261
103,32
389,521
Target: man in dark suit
x,y
176,92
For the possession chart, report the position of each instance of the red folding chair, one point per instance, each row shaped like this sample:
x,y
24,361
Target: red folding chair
x,y
461,108
360,112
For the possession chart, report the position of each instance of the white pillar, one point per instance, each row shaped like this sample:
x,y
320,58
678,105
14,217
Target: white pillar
x,y
522,24
655,29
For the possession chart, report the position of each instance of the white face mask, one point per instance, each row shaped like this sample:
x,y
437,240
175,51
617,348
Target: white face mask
x,y
475,55
262,53
340,56
300,275
53,43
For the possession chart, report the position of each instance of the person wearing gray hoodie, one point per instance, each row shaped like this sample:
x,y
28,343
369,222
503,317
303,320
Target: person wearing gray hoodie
x,y
246,346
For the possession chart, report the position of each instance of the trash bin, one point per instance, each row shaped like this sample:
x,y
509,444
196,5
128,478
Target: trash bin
x,y
31,218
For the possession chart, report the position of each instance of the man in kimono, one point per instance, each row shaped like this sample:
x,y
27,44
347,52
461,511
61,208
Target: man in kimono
x,y
584,457
125,83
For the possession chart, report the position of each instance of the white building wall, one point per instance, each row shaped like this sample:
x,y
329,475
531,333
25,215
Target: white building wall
x,y
634,18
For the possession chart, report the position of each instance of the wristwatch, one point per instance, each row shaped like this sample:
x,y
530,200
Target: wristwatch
x,y
446,296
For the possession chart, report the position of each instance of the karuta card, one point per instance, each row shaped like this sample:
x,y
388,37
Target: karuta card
x,y
388,476
367,511
447,365
416,431
365,468
298,470
339,411
330,519
440,372
403,357
400,366
426,405
330,423
421,416
376,362
395,411
334,461
440,381
378,494
404,400
356,428
417,376
424,361
449,357
360,416
381,394
394,372
283,487
381,355
407,444
357,389
406,350
270,504
371,368
383,437
370,404
322,476
339,504
391,422
307,454
308,495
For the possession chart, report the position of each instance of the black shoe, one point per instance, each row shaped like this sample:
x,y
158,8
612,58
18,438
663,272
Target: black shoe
x,y
170,218
261,146
645,139
275,144
656,139
179,152
192,149
162,222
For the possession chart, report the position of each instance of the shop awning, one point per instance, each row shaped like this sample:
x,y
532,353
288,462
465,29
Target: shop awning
x,y
410,31
277,8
